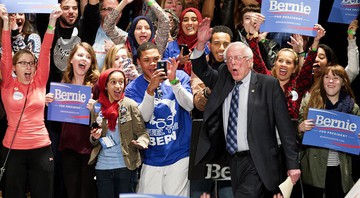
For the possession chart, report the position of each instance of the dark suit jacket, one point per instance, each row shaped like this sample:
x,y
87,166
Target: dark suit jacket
x,y
266,110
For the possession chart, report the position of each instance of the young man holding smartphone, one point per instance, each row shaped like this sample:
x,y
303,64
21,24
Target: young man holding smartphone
x,y
165,102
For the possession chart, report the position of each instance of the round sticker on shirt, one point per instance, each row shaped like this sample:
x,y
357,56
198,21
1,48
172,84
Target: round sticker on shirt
x,y
18,95
295,95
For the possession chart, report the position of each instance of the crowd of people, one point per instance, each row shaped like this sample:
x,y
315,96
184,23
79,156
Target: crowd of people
x,y
154,67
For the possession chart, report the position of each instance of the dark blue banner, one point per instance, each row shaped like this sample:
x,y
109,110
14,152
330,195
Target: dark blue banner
x,y
334,130
69,103
344,11
290,16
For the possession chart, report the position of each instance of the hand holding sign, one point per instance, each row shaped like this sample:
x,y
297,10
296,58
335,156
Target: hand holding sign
x,y
352,29
319,33
56,13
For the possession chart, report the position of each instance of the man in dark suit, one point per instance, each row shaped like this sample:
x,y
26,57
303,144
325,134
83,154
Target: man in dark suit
x,y
254,152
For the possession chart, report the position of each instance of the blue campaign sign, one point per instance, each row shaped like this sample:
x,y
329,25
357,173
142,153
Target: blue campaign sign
x,y
344,11
334,130
29,6
290,16
69,103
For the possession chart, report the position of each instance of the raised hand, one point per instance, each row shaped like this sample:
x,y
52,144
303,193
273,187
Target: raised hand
x,y
320,32
3,13
56,13
172,65
257,19
204,31
353,26
156,78
13,24
297,43
131,72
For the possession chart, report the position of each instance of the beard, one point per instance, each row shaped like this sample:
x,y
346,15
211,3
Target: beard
x,y
67,23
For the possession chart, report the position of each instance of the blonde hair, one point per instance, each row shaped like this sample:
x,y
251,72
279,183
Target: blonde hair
x,y
295,60
111,54
92,75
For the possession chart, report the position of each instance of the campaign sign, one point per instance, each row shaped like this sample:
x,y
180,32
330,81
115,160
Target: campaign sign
x,y
344,11
290,16
69,103
334,130
29,6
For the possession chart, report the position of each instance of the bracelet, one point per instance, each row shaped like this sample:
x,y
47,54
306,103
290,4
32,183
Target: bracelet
x,y
352,32
263,40
175,81
303,54
313,49
51,27
150,3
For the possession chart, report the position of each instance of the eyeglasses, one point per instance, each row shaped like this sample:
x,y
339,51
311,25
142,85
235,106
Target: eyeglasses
x,y
235,58
108,9
24,64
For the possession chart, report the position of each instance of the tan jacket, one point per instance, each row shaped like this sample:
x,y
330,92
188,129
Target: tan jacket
x,y
131,127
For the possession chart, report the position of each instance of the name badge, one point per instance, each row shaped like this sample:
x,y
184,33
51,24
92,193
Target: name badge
x,y
18,95
107,142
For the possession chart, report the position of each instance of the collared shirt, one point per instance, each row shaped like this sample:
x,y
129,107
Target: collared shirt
x,y
242,113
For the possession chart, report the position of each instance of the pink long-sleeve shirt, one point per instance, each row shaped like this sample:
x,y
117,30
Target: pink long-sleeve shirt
x,y
32,132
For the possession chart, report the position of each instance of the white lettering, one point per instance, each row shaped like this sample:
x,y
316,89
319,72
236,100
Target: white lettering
x,y
334,123
215,171
163,139
276,6
347,2
69,96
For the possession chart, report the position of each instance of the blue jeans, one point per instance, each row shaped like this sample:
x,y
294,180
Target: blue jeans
x,y
111,183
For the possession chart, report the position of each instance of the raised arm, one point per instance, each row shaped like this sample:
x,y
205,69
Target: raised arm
x,y
297,43
6,56
259,64
352,69
163,29
198,59
44,57
304,78
117,35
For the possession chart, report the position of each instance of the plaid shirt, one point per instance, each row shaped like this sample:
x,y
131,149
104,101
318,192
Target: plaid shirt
x,y
297,86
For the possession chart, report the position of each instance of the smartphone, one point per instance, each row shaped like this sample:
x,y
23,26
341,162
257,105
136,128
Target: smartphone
x,y
161,64
94,125
126,62
185,49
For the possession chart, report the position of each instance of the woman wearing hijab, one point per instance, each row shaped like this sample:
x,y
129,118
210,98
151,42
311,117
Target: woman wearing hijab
x,y
141,30
190,19
117,138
